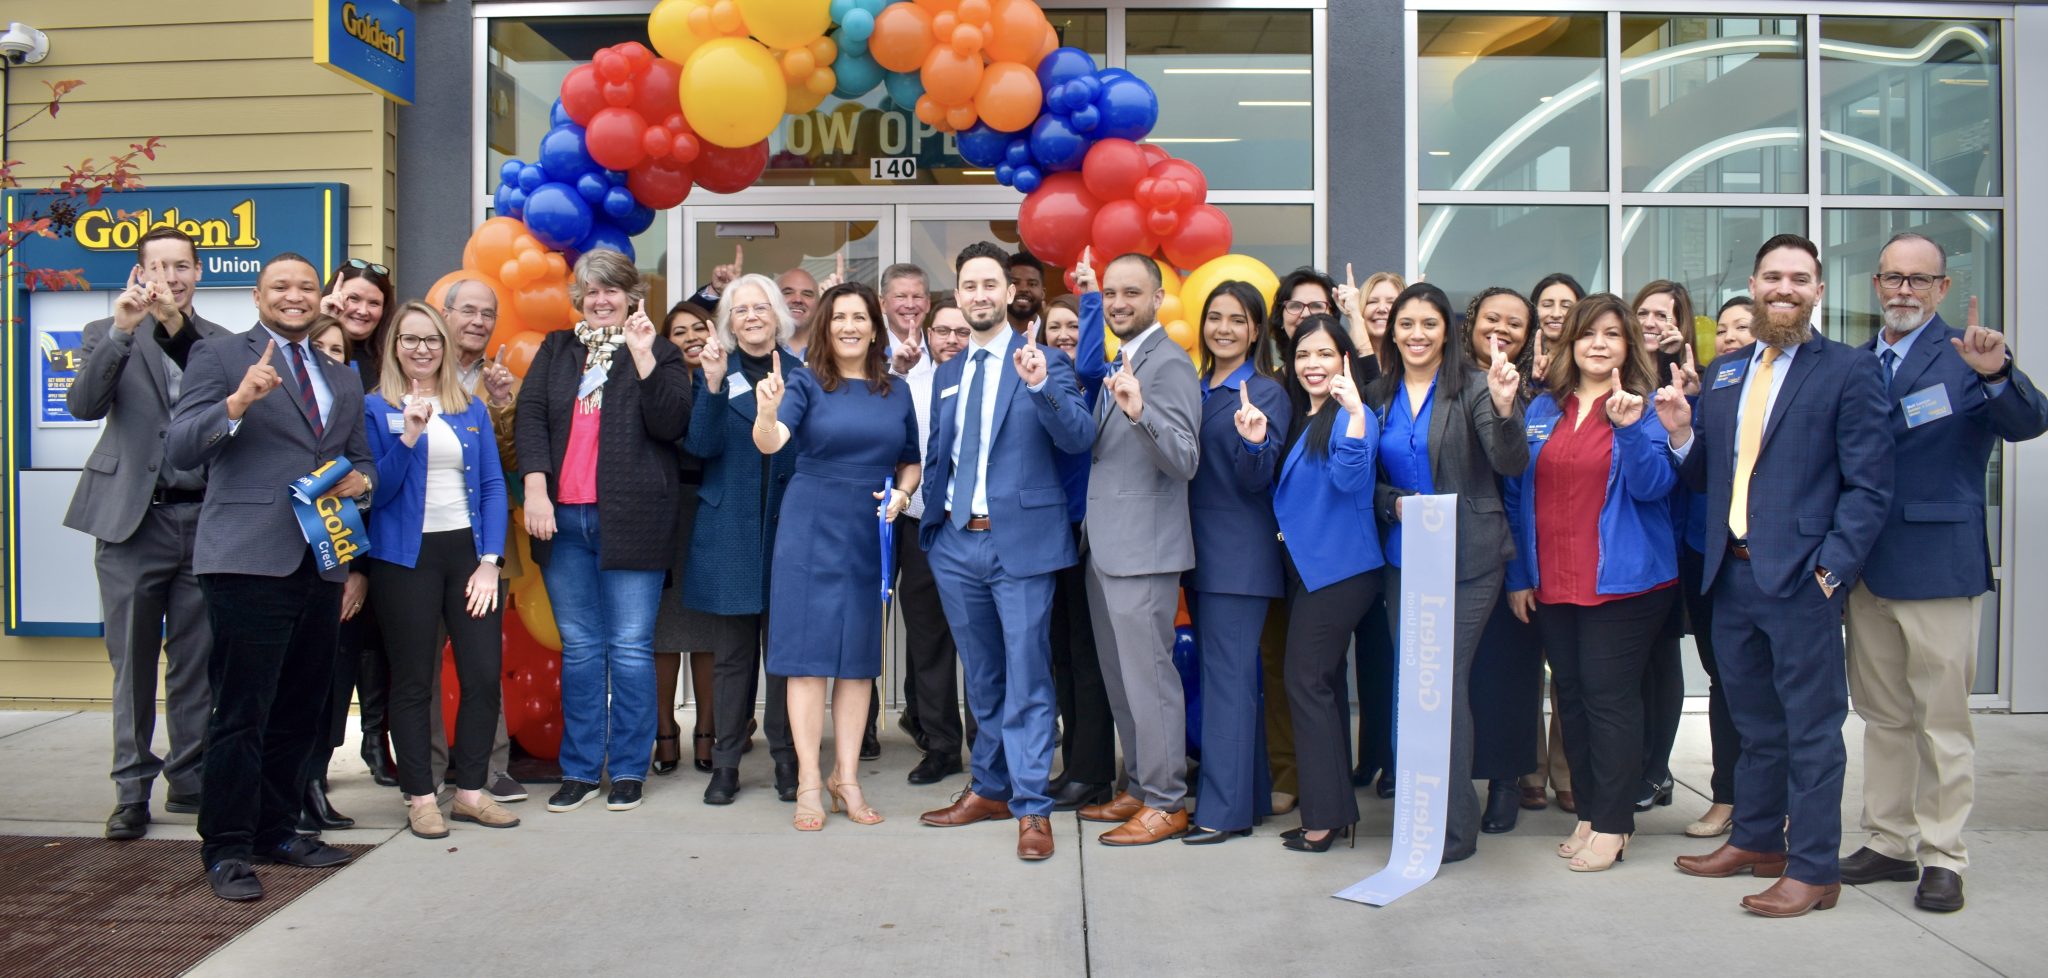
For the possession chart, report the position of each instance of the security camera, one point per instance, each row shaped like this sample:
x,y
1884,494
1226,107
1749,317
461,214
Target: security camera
x,y
24,45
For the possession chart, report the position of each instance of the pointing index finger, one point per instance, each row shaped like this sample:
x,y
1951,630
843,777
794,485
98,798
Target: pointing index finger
x,y
1244,396
269,350
738,258
1973,319
1349,279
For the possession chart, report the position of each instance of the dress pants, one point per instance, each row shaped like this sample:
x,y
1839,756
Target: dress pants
x,y
736,680
1279,719
1374,665
1506,697
1597,656
417,604
271,663
1234,781
1911,666
1699,611
1782,662
1476,598
931,683
1319,628
1134,633
1001,622
152,604
1663,694
1551,766
1087,734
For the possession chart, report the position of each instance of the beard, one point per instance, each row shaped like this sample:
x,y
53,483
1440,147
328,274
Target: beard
x,y
1903,319
1774,329
995,319
1025,307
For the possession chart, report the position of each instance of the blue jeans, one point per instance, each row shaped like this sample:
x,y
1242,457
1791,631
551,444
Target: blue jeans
x,y
607,622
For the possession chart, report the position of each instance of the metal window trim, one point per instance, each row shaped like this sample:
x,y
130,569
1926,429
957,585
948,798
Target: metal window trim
x,y
1734,8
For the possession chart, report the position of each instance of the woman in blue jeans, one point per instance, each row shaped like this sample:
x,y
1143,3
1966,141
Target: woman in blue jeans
x,y
600,414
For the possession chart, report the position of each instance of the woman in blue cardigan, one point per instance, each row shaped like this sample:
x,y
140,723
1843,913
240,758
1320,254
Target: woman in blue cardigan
x,y
1596,559
437,533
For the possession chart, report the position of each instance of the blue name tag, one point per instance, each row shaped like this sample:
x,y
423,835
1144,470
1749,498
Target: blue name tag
x,y
1540,430
592,380
1730,374
1926,404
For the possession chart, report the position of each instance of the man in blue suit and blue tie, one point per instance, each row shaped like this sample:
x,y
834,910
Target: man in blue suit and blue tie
x,y
995,525
1791,448
1951,395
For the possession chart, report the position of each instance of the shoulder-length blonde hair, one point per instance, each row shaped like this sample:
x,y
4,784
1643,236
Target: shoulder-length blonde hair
x,y
723,323
1638,371
391,380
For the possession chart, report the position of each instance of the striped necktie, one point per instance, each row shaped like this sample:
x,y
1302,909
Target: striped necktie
x,y
307,402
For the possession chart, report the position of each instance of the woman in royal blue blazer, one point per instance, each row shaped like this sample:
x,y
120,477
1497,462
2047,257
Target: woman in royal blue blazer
x,y
437,533
1239,568
1596,558
1323,503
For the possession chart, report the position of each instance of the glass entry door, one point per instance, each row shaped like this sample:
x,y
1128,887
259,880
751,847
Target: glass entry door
x,y
856,240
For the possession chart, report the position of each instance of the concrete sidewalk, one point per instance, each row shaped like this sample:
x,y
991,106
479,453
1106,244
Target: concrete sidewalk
x,y
678,887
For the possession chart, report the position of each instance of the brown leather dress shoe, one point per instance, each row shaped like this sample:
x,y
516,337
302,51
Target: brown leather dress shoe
x,y
1034,838
1728,861
966,809
1533,799
1790,898
1118,809
1149,825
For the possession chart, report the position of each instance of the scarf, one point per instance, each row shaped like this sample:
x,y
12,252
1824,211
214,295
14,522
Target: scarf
x,y
598,343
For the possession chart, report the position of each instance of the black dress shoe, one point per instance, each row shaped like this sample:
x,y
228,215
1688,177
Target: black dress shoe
x,y
934,768
785,780
320,812
378,760
724,786
302,851
1200,836
178,804
1385,787
870,745
911,727
128,821
1070,795
1867,865
232,879
1941,890
1362,775
1503,806
1654,795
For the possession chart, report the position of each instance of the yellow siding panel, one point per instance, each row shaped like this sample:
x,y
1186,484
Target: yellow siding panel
x,y
149,81
176,117
128,44
51,15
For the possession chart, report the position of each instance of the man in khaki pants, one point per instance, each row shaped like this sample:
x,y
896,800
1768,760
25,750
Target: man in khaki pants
x,y
1913,619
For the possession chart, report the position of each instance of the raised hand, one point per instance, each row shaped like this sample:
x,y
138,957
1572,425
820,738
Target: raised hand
x,y
257,383
1344,390
132,302
1542,362
1251,422
1980,346
1084,273
723,275
161,305
332,303
908,352
498,380
1129,394
1503,381
768,393
640,331
711,359
1624,408
838,273
1688,372
1347,296
419,409
1030,362
1673,409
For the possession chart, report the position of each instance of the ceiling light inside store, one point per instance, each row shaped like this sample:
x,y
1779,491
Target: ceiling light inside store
x,y
1237,71
1275,105
1192,139
1972,82
1439,152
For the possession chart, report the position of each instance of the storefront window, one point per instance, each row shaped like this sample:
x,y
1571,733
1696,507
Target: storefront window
x,y
1507,102
1709,250
1236,92
1911,106
774,247
1712,104
1480,246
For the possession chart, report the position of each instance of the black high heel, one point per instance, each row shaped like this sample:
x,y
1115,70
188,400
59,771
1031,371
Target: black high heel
x,y
666,765
1659,796
1302,843
703,746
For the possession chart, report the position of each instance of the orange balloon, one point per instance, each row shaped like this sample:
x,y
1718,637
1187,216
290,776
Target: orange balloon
x,y
950,78
1183,334
531,266
1017,31
545,307
802,94
938,6
902,37
495,243
519,352
974,11
1170,308
1048,46
959,117
1009,97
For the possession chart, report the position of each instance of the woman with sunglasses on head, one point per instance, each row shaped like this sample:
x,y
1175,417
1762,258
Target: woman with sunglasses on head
x,y
1596,561
1664,310
678,631
359,294
1450,428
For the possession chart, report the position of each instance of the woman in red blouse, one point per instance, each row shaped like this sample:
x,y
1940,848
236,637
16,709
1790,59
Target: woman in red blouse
x,y
1596,559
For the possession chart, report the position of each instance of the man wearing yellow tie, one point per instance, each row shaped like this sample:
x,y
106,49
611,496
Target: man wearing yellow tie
x,y
1791,446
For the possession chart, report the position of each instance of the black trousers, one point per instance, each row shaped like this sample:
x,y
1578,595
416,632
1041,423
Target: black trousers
x,y
414,603
1087,733
273,658
1597,659
1699,612
1506,697
1663,695
931,684
735,683
1375,679
1319,627
1474,604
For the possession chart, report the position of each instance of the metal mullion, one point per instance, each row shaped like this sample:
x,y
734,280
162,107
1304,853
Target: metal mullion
x,y
1319,140
1611,84
1916,202
479,123
1411,57
1734,8
1115,38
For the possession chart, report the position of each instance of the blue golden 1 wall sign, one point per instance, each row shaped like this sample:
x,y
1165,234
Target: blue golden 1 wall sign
x,y
369,41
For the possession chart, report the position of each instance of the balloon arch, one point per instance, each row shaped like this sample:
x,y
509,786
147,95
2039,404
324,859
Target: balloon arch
x,y
635,130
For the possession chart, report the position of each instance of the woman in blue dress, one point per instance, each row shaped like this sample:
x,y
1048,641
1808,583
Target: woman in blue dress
x,y
855,432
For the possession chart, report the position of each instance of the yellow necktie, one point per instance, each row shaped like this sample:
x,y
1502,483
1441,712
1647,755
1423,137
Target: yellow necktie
x,y
1749,440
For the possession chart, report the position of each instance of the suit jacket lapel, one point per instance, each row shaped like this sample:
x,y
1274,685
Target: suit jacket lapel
x,y
337,420
281,361
1802,367
1919,358
742,404
153,356
1440,411
1006,387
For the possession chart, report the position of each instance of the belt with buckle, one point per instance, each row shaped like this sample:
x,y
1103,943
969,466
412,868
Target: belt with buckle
x,y
164,496
1739,549
975,524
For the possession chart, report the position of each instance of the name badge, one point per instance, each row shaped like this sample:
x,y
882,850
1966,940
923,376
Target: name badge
x,y
1540,430
396,423
949,392
592,380
737,387
1926,404
1730,374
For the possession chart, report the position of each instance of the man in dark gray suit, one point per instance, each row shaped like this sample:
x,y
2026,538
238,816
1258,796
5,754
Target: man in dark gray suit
x,y
1146,448
143,514
275,614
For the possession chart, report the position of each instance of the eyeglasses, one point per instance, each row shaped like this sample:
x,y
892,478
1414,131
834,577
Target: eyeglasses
x,y
955,331
1920,283
760,309
371,267
474,312
406,342
1294,308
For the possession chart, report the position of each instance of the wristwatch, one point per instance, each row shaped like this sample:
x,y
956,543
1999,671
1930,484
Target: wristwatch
x,y
2001,375
1827,578
497,559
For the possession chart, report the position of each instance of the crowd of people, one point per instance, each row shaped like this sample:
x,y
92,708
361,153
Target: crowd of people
x,y
705,487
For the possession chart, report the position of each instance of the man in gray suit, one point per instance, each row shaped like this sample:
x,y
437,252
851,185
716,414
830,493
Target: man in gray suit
x,y
143,514
1146,448
275,614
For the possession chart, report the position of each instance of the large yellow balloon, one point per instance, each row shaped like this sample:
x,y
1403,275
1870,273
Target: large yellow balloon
x,y
785,24
668,28
733,92
537,614
1243,268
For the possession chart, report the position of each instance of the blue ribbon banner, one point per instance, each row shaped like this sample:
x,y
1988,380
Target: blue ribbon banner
x,y
332,526
1429,583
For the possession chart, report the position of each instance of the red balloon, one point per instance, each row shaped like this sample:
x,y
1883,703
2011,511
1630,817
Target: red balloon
x,y
727,171
542,737
451,689
1196,190
1162,222
659,183
1057,220
613,138
1204,236
1113,168
1154,154
582,94
660,92
1119,228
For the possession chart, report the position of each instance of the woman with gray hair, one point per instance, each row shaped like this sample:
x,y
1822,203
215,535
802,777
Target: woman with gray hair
x,y
601,411
727,577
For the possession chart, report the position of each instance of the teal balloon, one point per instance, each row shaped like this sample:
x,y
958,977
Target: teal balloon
x,y
857,74
905,88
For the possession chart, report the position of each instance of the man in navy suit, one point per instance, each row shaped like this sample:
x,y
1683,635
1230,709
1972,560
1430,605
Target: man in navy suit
x,y
1952,395
1790,446
995,525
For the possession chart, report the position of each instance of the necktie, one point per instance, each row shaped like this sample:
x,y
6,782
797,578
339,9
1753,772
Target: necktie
x,y
968,477
307,402
1749,439
1890,359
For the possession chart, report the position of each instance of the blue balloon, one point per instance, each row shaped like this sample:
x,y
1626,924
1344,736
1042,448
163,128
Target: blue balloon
x,y
1063,64
1026,179
618,178
558,116
508,172
857,74
531,177
510,201
1085,120
905,88
602,235
1055,145
557,215
618,202
1018,153
982,145
1130,108
636,221
855,29
592,187
562,153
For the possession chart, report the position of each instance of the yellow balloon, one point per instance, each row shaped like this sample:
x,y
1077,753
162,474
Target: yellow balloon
x,y
1109,342
784,24
1243,268
668,29
802,99
733,92
537,614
